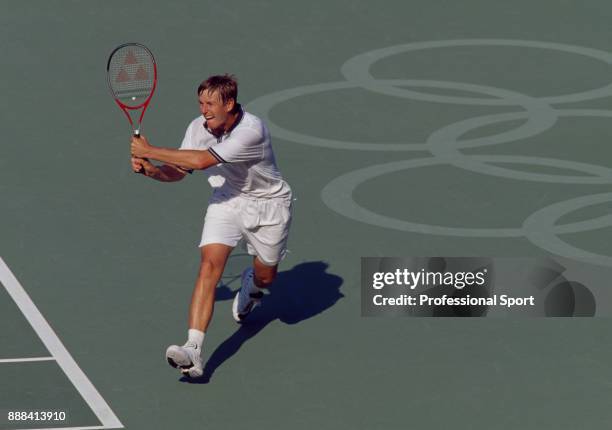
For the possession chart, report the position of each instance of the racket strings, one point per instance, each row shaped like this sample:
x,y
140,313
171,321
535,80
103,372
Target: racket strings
x,y
131,74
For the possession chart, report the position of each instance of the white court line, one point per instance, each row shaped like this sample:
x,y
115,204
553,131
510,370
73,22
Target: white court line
x,y
70,428
54,345
21,360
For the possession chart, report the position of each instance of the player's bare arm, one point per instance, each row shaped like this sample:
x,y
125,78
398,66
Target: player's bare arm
x,y
163,173
187,159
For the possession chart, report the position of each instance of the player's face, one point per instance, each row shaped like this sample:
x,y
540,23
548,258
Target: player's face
x,y
214,110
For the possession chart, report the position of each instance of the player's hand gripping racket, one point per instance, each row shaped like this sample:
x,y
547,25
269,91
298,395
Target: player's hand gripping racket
x,y
132,78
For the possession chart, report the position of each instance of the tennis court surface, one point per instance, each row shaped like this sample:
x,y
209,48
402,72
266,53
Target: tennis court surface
x,y
472,128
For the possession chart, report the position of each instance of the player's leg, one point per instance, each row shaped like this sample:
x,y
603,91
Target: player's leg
x,y
254,280
220,235
212,262
268,243
188,357
264,274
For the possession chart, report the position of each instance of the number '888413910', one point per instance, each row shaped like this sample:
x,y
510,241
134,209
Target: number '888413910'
x,y
36,416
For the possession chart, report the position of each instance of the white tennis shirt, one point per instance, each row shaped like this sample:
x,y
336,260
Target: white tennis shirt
x,y
246,160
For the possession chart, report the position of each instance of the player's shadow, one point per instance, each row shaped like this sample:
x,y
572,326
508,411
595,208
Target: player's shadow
x,y
296,295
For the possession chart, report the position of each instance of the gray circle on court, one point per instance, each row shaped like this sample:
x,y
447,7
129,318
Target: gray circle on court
x,y
540,116
338,196
338,193
440,147
357,69
444,143
540,228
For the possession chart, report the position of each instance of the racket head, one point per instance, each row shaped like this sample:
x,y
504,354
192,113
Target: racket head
x,y
132,79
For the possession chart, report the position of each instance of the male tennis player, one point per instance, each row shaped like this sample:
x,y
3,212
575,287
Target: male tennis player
x,y
250,201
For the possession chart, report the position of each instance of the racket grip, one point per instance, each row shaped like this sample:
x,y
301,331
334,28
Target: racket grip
x,y
137,134
142,171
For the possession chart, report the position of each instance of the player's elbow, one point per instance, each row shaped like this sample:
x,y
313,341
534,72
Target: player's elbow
x,y
204,161
200,163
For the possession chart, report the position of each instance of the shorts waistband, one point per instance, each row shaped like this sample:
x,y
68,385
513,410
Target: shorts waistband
x,y
229,196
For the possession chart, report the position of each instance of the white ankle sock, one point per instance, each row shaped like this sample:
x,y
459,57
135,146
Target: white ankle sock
x,y
196,336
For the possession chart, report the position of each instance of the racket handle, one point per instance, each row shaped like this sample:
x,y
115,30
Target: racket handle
x,y
137,134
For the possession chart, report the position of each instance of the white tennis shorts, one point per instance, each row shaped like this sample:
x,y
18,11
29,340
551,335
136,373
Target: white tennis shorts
x,y
263,223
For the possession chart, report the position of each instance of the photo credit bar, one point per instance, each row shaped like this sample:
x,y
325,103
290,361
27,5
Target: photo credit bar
x,y
483,287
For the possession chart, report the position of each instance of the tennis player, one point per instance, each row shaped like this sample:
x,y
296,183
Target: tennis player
x,y
250,201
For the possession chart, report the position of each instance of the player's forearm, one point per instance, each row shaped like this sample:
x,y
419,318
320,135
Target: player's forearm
x,y
188,159
164,174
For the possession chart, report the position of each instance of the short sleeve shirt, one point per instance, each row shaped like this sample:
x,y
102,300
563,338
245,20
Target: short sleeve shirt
x,y
246,161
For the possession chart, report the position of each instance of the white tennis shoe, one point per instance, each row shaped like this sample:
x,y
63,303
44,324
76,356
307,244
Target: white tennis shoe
x,y
186,358
248,298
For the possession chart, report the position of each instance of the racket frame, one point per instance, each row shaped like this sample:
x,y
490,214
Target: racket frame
x,y
144,105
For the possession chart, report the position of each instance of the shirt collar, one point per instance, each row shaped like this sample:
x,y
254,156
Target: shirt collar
x,y
227,133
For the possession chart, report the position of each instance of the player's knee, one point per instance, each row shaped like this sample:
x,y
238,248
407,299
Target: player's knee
x,y
209,268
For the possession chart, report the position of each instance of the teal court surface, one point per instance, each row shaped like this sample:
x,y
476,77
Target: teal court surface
x,y
428,128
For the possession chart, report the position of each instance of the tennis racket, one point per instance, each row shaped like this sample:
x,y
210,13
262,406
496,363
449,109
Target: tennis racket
x,y
132,78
